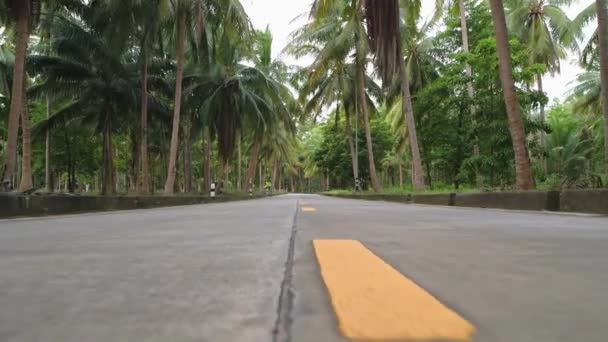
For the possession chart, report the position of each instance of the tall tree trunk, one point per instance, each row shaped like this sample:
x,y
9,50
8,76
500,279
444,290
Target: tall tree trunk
x,y
47,151
188,155
602,29
523,170
464,29
253,161
400,174
351,146
239,164
108,185
368,133
543,137
69,158
17,93
133,177
408,112
144,164
171,172
261,177
26,135
207,159
275,172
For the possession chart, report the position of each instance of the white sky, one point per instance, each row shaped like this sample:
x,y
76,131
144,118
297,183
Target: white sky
x,y
280,15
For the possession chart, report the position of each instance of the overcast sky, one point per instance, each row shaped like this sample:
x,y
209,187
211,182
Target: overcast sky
x,y
280,15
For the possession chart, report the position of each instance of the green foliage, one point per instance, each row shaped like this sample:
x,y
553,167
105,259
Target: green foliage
x,y
87,59
329,151
571,150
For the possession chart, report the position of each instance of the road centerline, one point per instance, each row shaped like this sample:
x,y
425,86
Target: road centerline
x,y
373,301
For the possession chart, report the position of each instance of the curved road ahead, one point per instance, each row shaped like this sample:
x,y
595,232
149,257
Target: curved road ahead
x,y
247,271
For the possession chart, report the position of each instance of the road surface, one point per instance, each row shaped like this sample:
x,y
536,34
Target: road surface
x,y
247,271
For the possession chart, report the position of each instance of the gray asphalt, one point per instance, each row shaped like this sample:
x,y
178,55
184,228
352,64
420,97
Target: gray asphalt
x,y
224,272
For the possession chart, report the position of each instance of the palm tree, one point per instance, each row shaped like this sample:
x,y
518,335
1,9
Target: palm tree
x,y
383,23
330,81
21,13
587,92
547,32
602,30
523,170
27,182
180,9
464,31
594,51
94,82
233,96
353,38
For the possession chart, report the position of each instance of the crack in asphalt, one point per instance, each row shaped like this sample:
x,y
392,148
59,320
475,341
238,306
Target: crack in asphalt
x,y
282,326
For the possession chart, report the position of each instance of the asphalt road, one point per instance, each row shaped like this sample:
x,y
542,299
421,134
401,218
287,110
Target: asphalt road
x,y
246,271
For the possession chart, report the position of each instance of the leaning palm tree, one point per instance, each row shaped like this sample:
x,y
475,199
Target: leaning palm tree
x,y
523,171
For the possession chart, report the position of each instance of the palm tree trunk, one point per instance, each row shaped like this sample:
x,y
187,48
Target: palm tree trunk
x,y
408,112
351,147
133,176
47,150
464,29
261,178
523,170
368,133
400,174
275,173
144,164
239,164
108,185
602,29
207,159
26,135
171,172
252,166
543,137
188,155
17,93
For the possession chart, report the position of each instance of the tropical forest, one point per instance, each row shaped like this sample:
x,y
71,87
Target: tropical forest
x,y
109,97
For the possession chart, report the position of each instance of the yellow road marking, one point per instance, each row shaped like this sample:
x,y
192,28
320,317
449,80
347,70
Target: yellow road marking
x,y
373,301
308,209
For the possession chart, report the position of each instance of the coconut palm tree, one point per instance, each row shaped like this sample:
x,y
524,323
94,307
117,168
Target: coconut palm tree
x,y
383,26
523,171
602,33
233,96
95,83
464,31
180,8
329,82
587,92
21,13
351,41
547,32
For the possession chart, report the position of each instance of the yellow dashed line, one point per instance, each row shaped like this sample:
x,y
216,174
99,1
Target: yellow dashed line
x,y
375,302
308,209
